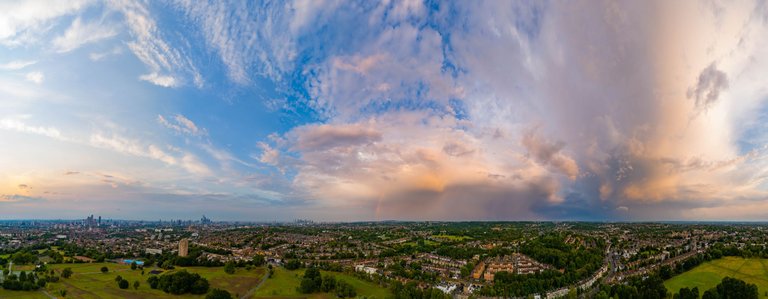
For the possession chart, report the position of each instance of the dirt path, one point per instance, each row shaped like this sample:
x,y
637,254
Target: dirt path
x,y
253,289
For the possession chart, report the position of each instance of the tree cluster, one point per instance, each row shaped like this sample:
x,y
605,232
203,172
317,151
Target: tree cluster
x,y
412,291
218,294
181,282
314,282
732,288
686,293
23,282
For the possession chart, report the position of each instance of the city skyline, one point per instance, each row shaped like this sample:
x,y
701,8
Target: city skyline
x,y
401,110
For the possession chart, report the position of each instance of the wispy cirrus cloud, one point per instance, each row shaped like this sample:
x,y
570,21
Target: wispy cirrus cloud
x,y
80,33
166,64
17,64
182,125
23,22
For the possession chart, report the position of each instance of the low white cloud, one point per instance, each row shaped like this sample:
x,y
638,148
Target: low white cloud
x,y
98,56
17,65
79,34
35,77
159,80
18,125
22,22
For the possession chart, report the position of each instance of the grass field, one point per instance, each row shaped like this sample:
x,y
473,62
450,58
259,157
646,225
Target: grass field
x,y
451,237
21,295
284,283
709,274
88,282
426,242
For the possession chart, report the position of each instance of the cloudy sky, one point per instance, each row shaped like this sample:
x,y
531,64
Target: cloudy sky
x,y
375,110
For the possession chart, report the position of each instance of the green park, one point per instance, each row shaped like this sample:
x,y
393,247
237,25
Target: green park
x,y
709,274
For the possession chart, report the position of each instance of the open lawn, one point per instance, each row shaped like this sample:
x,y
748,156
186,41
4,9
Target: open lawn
x,y
5,294
709,274
284,283
426,242
451,238
88,281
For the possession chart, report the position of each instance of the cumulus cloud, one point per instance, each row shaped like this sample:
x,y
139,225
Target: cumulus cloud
x,y
707,90
606,89
549,153
159,80
35,77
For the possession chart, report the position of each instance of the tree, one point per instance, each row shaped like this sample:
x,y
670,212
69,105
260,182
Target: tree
x,y
307,286
118,278
63,293
572,294
66,273
136,285
686,293
345,290
258,260
153,281
229,268
665,272
293,265
134,265
218,294
104,269
329,283
181,282
123,284
731,288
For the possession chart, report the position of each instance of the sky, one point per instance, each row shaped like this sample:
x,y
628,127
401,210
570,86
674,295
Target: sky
x,y
384,110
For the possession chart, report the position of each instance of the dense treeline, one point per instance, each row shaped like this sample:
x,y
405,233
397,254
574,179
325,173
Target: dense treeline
x,y
687,293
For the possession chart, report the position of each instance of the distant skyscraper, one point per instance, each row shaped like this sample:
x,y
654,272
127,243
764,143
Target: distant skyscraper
x,y
183,247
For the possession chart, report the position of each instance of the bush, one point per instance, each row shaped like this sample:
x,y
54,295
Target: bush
x,y
66,273
229,268
153,281
293,265
218,294
123,284
104,269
